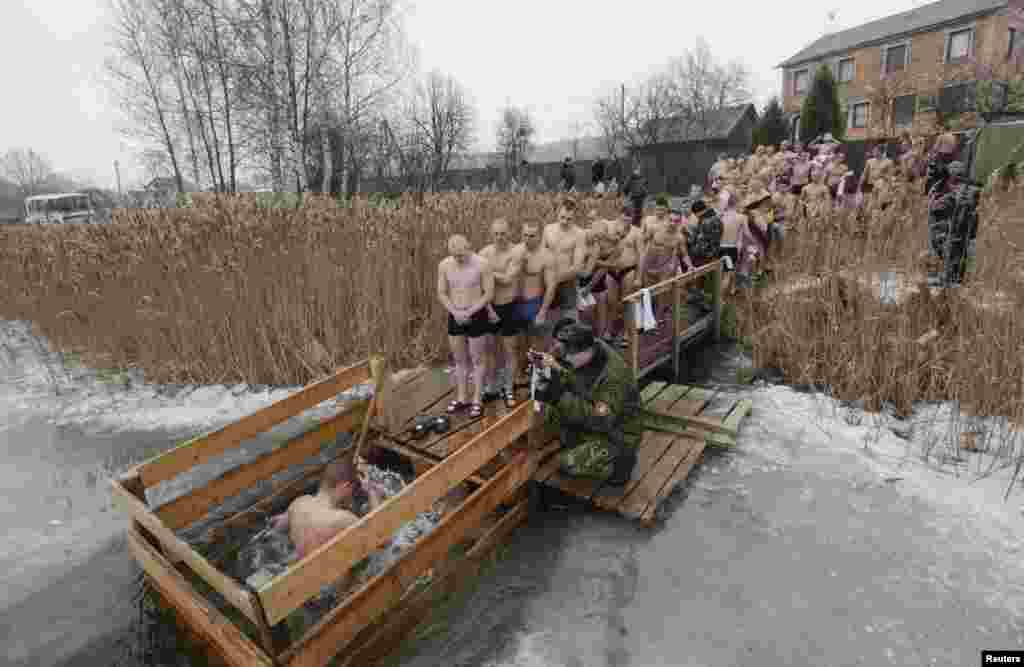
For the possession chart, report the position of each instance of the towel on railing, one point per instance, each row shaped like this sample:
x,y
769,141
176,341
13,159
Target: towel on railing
x,y
644,309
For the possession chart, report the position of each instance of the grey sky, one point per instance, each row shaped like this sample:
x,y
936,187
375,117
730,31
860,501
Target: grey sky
x,y
551,57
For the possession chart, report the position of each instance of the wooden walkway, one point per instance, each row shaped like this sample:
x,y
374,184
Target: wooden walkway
x,y
673,441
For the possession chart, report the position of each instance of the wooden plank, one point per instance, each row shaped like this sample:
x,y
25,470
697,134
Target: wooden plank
x,y
453,440
647,490
420,394
668,397
321,567
343,623
683,279
185,509
653,447
205,447
678,476
651,391
426,459
732,421
384,637
219,581
201,616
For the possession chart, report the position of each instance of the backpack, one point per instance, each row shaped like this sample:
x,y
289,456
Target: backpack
x,y
706,240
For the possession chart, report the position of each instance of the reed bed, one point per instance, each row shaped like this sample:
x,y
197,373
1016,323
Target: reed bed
x,y
232,291
822,323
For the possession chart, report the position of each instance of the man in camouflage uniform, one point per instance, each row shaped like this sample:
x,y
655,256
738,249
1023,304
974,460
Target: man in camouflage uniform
x,y
591,400
952,221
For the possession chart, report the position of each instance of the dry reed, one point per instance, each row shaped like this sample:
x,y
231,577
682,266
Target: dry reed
x,y
232,292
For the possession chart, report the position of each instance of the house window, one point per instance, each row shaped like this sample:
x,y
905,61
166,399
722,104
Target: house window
x,y
800,82
859,115
959,45
957,98
903,110
846,70
894,58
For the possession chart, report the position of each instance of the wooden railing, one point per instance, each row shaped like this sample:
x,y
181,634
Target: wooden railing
x,y
682,331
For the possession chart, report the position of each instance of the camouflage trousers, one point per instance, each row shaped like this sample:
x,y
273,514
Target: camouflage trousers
x,y
594,456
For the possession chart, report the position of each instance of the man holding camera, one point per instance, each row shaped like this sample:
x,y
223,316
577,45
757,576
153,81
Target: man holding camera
x,y
952,221
590,399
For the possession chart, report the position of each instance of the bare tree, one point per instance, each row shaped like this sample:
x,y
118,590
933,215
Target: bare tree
x,y
27,169
515,136
444,121
702,87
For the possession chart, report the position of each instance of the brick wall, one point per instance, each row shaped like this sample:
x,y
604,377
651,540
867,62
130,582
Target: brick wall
x,y
926,51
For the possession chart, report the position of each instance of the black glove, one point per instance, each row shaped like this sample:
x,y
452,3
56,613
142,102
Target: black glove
x,y
550,390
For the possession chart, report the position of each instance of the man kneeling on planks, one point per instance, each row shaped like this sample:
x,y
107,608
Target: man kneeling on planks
x,y
591,399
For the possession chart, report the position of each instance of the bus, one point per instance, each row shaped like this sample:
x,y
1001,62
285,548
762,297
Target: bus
x,y
69,207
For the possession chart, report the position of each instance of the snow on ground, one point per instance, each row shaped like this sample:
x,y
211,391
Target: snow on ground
x,y
789,429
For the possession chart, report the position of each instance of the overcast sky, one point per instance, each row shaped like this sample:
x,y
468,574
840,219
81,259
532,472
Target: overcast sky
x,y
551,56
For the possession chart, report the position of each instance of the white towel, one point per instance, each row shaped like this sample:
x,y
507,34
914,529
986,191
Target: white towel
x,y
728,262
644,309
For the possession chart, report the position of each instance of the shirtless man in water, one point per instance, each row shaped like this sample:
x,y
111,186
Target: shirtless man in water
x,y
465,287
567,243
506,261
539,280
313,520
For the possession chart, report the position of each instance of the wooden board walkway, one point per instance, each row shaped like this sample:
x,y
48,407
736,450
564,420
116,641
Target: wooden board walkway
x,y
672,443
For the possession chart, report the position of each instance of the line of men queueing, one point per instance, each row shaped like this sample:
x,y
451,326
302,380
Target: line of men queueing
x,y
516,292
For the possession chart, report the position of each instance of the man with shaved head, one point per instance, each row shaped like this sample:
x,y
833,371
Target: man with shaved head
x,y
540,280
465,287
506,262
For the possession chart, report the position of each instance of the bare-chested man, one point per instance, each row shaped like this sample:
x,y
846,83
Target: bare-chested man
x,y
868,177
539,281
567,243
601,249
313,520
657,222
465,287
627,259
506,262
817,197
661,254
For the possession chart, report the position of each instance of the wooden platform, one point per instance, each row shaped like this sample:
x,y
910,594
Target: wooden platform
x,y
666,455
675,435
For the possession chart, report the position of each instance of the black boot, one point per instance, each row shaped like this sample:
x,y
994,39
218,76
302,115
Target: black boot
x,y
537,502
622,470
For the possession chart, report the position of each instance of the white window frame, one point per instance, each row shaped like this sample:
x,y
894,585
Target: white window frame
x,y
839,69
794,73
895,45
851,113
972,28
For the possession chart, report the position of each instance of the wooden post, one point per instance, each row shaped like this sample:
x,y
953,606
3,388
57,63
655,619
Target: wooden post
x,y
636,347
677,316
716,302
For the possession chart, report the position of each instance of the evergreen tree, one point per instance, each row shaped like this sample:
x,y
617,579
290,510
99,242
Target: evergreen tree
x,y
771,129
821,110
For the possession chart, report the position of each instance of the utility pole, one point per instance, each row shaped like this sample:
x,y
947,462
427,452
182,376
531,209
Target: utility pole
x,y
117,172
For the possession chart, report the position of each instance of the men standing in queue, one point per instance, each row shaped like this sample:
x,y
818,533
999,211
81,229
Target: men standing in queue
x,y
465,287
567,243
592,401
506,263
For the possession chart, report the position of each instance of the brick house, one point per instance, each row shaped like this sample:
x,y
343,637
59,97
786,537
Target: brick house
x,y
910,71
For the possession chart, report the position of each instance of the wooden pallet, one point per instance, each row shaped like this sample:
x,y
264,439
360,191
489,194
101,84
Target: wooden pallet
x,y
665,457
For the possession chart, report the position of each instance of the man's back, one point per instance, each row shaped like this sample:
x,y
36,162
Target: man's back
x,y
312,522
